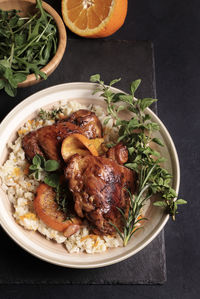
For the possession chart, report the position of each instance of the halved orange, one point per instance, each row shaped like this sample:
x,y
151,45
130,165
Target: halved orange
x,y
94,18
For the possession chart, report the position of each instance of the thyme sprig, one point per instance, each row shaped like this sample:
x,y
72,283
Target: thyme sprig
x,y
48,115
137,135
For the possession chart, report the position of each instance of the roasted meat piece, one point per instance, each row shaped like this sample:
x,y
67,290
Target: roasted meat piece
x,y
31,146
46,140
88,122
99,186
118,153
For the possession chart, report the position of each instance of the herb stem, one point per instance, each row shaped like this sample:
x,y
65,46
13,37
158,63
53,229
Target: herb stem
x,y
148,175
11,54
42,33
27,23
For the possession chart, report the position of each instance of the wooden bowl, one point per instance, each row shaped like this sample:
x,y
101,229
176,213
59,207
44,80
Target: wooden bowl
x,y
28,6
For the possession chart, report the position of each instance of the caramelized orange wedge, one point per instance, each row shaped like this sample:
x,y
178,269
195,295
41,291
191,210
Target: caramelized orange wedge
x,y
79,144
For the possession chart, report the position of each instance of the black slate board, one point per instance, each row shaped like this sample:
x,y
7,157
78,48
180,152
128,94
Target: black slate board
x,y
112,59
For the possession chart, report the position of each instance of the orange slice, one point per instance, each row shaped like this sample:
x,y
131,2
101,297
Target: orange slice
x,y
94,18
47,209
79,144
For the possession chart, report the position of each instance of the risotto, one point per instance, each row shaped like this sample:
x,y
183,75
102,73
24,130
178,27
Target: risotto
x,y
20,188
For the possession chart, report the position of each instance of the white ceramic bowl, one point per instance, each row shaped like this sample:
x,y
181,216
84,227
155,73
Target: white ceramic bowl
x,y
35,243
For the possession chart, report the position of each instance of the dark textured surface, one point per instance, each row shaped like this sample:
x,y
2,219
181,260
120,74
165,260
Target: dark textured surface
x,y
84,58
148,266
18,267
174,28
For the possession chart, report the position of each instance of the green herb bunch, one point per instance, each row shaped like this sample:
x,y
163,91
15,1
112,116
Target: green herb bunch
x,y
137,135
45,168
26,45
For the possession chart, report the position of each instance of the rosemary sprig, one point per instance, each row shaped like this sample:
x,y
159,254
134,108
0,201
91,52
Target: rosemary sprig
x,y
136,134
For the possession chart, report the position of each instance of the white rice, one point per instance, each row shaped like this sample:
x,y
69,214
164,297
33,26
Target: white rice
x,y
21,188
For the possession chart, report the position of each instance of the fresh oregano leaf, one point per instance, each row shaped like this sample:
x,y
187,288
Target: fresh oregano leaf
x,y
181,202
37,160
146,102
52,179
51,165
114,81
95,78
158,141
134,86
160,204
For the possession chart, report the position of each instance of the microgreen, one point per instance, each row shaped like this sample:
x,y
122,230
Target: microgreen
x,y
26,45
137,135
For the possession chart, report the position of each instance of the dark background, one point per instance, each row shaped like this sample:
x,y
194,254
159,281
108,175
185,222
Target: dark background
x,y
174,28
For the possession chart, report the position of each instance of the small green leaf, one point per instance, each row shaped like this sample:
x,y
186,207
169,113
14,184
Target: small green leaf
x,y
120,108
33,167
160,160
37,160
109,145
132,166
51,165
19,77
10,90
4,63
114,81
160,204
36,175
43,75
126,98
52,179
146,117
146,102
106,121
2,83
152,126
95,78
173,192
158,141
134,86
181,202
131,150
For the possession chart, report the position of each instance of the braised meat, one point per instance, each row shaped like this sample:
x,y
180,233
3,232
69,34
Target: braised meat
x,y
99,186
46,140
118,153
31,146
88,122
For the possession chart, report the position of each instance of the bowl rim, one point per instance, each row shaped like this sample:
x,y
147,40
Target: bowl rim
x,y
62,42
164,218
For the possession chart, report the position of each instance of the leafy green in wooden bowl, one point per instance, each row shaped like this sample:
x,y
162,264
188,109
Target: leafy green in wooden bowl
x,y
27,44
